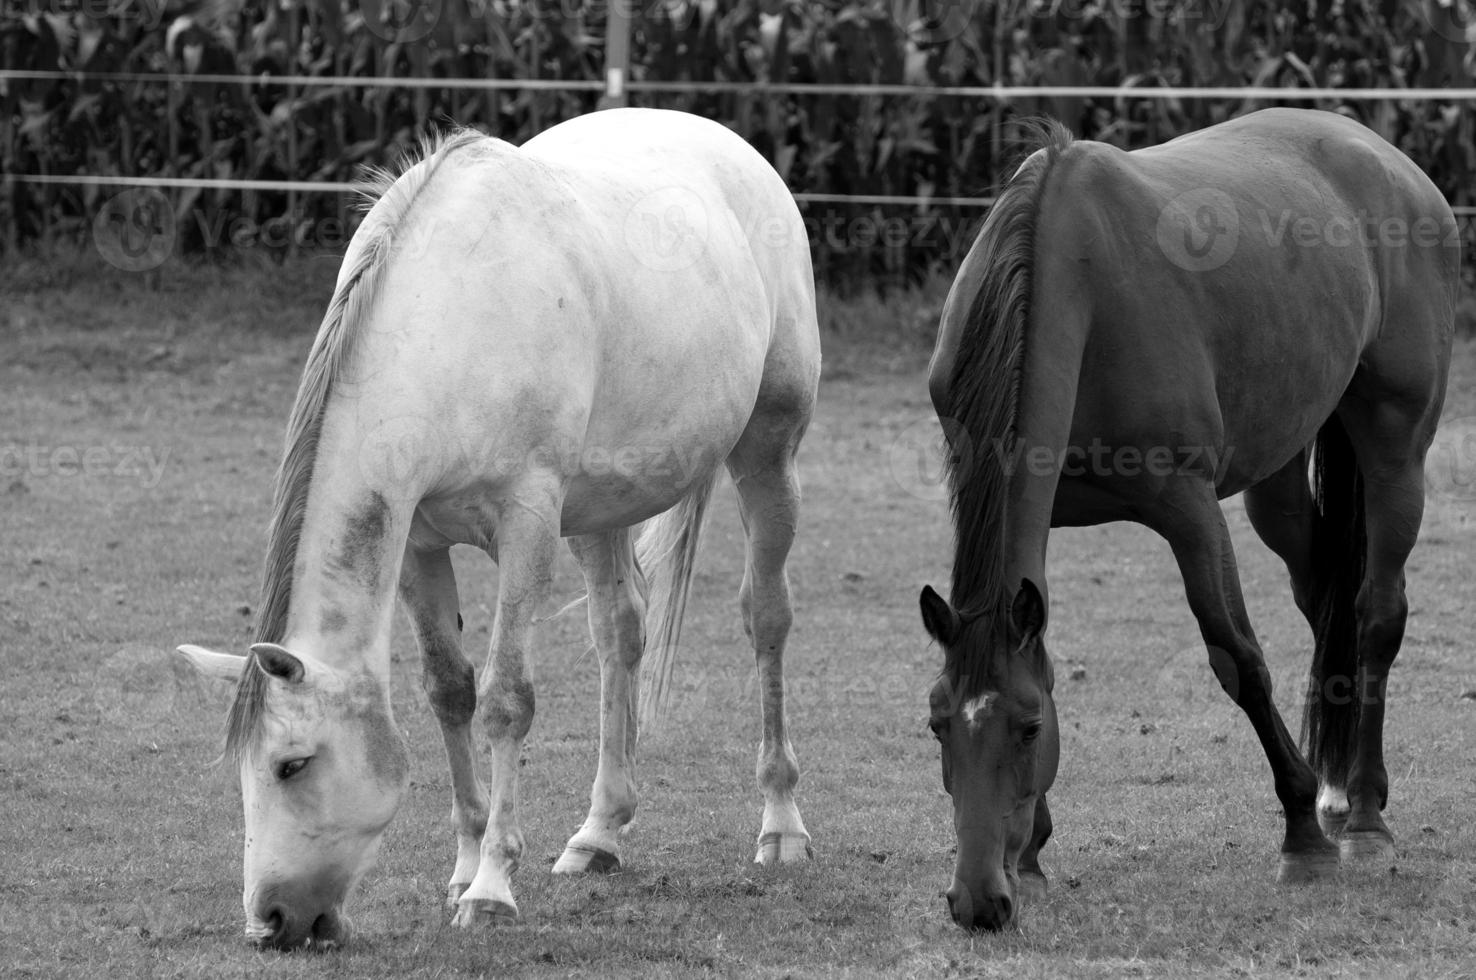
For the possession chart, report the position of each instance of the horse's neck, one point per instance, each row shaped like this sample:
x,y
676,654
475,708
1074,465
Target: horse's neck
x,y
348,562
1055,344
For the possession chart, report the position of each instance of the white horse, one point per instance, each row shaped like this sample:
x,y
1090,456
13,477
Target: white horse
x,y
559,340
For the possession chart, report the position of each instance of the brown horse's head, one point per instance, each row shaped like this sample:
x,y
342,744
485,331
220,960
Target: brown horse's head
x,y
1000,747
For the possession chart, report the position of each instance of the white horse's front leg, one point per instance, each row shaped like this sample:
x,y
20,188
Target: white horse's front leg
x,y
428,589
527,536
616,613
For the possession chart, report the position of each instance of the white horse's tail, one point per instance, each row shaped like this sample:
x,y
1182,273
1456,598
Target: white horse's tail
x,y
666,552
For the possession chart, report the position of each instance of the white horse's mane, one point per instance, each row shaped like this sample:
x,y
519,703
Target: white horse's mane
x,y
390,193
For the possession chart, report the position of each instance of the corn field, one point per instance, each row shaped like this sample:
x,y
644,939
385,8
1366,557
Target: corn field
x,y
844,144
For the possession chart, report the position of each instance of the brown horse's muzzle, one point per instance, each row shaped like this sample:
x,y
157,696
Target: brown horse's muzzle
x,y
991,907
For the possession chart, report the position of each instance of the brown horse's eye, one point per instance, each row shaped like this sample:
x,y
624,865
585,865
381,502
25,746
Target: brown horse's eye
x,y
938,728
1031,733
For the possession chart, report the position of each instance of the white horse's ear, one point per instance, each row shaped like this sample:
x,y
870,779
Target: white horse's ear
x,y
226,666
278,661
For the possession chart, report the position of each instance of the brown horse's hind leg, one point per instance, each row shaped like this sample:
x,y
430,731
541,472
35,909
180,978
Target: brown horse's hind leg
x,y
1283,511
1391,454
1189,518
1032,878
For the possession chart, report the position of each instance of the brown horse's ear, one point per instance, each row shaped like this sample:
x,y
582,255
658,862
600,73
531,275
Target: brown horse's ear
x,y
1028,612
938,616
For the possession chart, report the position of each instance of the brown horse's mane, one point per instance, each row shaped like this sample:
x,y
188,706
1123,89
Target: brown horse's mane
x,y
983,399
389,193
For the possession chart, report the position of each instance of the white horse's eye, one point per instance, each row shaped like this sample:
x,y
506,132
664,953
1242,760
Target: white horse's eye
x,y
286,770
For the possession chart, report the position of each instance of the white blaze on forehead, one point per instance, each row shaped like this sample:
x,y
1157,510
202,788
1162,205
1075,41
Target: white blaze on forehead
x,y
983,704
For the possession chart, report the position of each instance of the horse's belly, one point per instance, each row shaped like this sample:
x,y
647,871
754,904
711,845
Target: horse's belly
x,y
614,491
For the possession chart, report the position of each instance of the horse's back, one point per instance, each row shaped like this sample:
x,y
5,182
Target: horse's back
x,y
675,181
609,302
1240,275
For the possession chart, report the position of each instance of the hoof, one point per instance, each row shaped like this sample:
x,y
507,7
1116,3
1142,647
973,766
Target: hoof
x,y
1367,846
454,891
483,912
580,860
1299,869
1032,887
783,849
1332,822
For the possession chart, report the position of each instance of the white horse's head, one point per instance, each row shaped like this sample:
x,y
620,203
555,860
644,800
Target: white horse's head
x,y
323,769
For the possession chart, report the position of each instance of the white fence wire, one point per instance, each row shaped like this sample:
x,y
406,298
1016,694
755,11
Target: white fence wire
x,y
1000,93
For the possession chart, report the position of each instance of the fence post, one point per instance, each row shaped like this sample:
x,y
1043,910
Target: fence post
x,y
617,55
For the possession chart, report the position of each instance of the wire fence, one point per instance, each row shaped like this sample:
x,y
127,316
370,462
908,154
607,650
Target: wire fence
x,y
998,93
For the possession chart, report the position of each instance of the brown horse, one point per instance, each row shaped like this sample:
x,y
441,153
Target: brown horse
x,y
1135,336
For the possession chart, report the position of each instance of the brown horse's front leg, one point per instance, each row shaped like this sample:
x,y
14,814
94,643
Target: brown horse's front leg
x,y
1189,517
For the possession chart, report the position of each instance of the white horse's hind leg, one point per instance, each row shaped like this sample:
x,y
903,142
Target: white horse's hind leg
x,y
617,609
527,537
428,589
768,497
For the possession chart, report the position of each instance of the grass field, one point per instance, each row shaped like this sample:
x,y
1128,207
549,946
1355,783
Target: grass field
x,y
140,423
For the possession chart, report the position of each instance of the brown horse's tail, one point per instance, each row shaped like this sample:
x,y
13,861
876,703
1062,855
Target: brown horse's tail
x,y
1339,547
